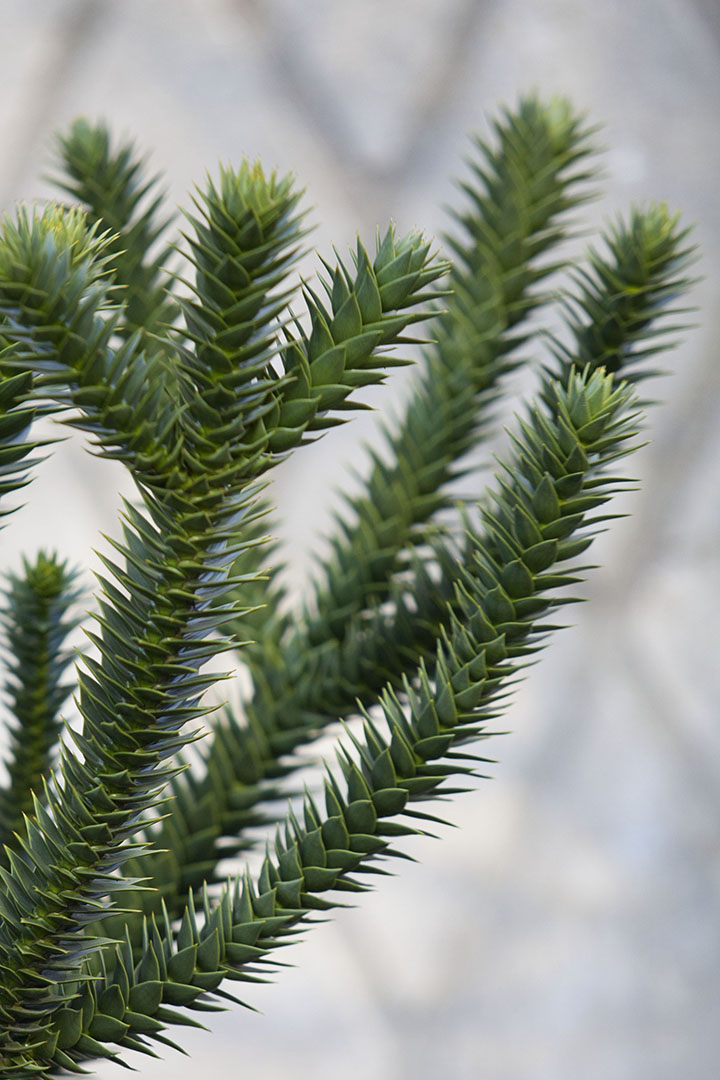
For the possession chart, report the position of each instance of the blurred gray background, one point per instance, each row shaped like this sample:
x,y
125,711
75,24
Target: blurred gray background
x,y
568,928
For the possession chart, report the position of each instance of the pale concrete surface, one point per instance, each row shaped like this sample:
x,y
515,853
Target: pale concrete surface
x,y
568,928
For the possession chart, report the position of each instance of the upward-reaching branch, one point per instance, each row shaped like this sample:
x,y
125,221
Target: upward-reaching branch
x,y
299,688
36,625
199,415
111,184
520,193
195,452
612,312
57,312
545,508
306,674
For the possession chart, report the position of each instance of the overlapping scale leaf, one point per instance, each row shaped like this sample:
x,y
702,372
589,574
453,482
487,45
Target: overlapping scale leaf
x,y
135,703
36,622
534,525
519,194
247,384
367,308
612,311
272,384
245,239
17,413
194,448
110,182
307,675
155,618
54,297
307,678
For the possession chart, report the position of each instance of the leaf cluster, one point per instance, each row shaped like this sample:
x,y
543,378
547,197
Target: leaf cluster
x,y
115,922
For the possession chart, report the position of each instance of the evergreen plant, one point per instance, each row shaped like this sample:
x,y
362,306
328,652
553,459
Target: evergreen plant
x,y
115,923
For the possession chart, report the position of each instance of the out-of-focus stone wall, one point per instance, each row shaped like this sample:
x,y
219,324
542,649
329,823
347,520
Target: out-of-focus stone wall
x,y
568,929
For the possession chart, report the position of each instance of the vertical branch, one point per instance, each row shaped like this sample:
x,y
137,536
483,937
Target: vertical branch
x,y
36,623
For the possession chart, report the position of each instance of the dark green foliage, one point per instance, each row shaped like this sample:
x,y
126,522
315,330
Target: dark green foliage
x,y
519,193
621,293
420,623
306,676
349,645
535,522
16,416
112,186
36,625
